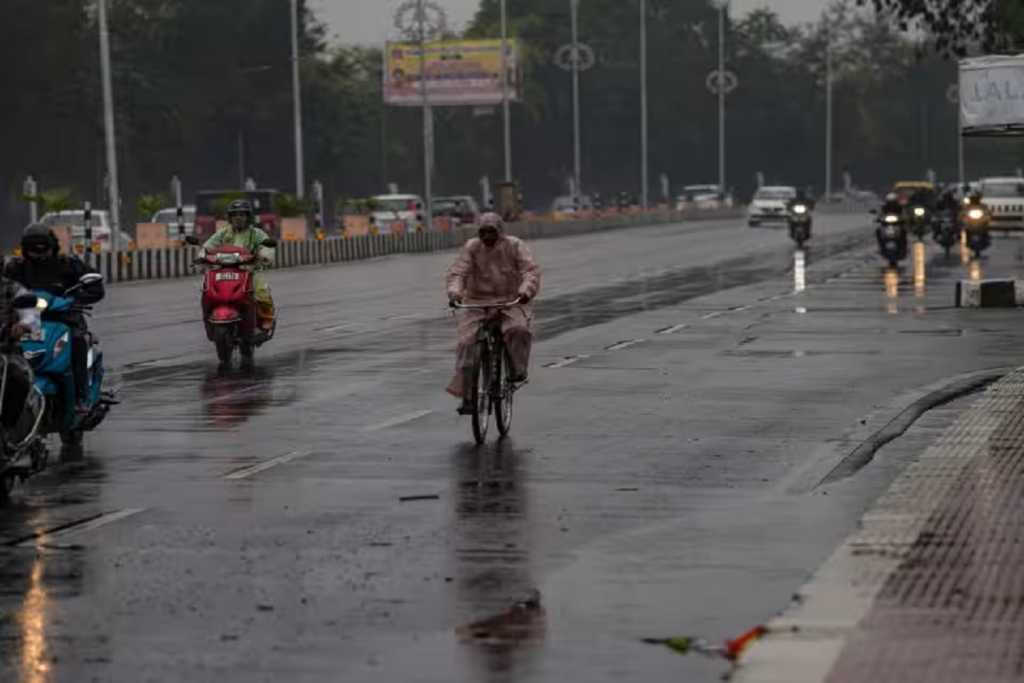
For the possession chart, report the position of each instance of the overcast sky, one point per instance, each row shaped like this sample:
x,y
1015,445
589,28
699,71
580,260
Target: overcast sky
x,y
369,21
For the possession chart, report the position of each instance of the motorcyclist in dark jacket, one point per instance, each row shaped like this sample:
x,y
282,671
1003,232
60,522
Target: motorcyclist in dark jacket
x,y
42,266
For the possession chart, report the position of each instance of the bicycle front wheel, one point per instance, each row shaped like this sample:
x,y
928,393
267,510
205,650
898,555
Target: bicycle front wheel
x,y
503,394
481,392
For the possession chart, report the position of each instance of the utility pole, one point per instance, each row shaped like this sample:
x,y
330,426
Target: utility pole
x,y
828,111
108,120
504,91
574,10
643,104
300,173
722,7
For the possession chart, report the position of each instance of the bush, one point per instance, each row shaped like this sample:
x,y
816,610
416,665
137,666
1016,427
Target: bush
x,y
287,205
149,204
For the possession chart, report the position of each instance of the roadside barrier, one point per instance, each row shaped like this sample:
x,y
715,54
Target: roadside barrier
x,y
160,264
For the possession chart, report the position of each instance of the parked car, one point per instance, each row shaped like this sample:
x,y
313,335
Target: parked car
x,y
1004,198
703,197
462,207
75,221
397,212
169,217
770,205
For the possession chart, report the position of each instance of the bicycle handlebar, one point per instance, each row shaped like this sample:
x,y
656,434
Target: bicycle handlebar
x,y
484,307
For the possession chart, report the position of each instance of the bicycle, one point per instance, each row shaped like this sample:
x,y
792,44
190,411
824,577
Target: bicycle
x,y
492,391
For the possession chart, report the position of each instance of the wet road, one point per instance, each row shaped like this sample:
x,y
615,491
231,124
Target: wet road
x,y
661,479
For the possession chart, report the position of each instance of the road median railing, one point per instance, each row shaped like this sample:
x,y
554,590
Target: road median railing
x,y
169,263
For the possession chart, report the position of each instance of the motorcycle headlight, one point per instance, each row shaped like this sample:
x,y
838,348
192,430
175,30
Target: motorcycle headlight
x,y
799,209
42,304
976,214
890,219
919,211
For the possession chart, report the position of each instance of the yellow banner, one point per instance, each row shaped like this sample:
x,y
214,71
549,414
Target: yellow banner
x,y
458,72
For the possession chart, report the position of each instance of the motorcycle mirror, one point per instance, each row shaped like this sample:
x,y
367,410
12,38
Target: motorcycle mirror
x,y
23,301
90,279
270,243
191,240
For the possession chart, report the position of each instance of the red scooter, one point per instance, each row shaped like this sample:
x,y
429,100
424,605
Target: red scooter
x,y
229,301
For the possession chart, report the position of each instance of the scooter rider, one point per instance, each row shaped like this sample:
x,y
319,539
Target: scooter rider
x,y
242,232
42,266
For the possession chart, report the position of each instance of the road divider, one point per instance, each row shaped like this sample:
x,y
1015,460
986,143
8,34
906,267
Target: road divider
x,y
169,263
989,293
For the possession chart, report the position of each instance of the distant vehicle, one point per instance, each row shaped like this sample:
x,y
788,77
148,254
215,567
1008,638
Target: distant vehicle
x,y
905,189
703,197
397,212
75,220
210,204
169,217
462,207
1004,199
568,205
770,204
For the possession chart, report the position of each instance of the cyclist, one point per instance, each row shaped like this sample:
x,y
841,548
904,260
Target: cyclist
x,y
492,268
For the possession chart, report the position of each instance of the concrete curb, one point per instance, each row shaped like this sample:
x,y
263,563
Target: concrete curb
x,y
989,293
805,642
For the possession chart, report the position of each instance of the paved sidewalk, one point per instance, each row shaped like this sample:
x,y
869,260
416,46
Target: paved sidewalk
x,y
932,586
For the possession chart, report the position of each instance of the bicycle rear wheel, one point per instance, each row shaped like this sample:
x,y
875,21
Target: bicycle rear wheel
x,y
503,394
481,394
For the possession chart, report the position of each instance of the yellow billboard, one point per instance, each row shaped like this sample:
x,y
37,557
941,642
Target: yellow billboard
x,y
458,72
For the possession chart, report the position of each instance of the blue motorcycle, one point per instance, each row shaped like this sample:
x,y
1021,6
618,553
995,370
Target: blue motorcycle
x,y
50,358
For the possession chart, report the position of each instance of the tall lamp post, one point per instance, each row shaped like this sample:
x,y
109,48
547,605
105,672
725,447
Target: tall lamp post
x,y
828,111
300,172
504,91
575,57
643,105
721,82
108,120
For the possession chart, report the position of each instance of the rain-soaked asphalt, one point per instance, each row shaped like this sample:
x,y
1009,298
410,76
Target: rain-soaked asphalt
x,y
325,516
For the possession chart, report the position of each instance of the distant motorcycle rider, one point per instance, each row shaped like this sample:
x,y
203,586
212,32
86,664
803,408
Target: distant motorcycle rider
x,y
42,266
243,232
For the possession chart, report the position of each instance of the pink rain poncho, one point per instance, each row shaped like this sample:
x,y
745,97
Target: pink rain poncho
x,y
493,275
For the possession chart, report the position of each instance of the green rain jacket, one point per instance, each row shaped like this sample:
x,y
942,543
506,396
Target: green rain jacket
x,y
251,239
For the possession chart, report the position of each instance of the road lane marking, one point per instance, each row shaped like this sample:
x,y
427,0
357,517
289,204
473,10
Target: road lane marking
x,y
712,316
566,362
75,528
401,420
624,344
246,472
674,329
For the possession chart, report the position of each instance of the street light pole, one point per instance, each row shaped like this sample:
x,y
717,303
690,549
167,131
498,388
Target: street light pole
x,y
504,91
300,173
108,120
722,7
828,112
643,105
574,10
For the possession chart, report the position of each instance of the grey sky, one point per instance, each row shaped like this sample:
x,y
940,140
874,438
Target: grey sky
x,y
369,21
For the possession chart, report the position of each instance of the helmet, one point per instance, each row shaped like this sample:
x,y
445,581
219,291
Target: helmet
x,y
241,207
492,220
39,241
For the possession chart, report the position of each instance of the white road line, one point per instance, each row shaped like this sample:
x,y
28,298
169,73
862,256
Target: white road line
x,y
711,316
247,472
674,329
566,362
95,523
624,344
401,420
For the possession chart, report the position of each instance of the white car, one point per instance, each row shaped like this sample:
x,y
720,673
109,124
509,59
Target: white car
x,y
1004,198
75,221
703,197
169,217
769,204
393,209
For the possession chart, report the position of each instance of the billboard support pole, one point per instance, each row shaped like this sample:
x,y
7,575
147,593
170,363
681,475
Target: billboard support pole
x,y
428,120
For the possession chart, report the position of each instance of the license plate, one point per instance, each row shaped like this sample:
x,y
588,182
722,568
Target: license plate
x,y
228,276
